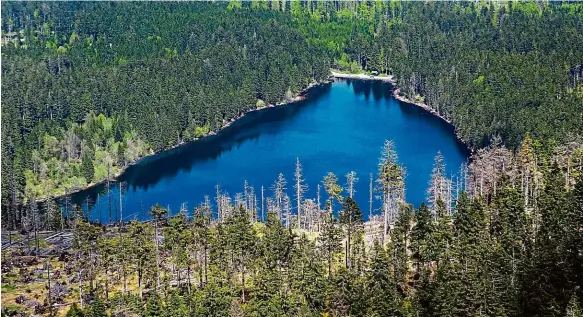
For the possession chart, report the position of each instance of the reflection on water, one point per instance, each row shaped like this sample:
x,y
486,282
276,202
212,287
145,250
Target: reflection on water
x,y
167,164
379,89
339,127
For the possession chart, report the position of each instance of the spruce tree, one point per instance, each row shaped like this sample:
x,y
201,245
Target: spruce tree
x,y
329,239
351,219
548,287
400,236
87,167
381,290
420,234
177,306
98,308
575,238
75,311
154,306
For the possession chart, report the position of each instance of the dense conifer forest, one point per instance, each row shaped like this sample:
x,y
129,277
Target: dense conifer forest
x,y
90,87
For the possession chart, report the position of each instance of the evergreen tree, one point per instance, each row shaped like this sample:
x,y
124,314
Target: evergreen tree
x,y
154,307
74,311
441,238
575,239
329,241
381,290
548,284
345,294
97,308
421,233
87,167
351,219
241,238
307,278
400,236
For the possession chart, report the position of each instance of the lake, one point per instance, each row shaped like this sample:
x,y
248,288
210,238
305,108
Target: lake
x,y
339,127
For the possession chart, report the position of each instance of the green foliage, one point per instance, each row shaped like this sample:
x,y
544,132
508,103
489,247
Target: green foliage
x,y
97,309
212,300
494,69
154,307
329,240
351,219
93,90
75,311
87,168
80,154
381,290
81,106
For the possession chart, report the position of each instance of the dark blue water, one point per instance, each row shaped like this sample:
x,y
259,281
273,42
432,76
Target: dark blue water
x,y
339,127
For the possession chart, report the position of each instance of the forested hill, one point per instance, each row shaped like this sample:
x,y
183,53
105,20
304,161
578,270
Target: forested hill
x,y
165,73
90,87
159,74
496,69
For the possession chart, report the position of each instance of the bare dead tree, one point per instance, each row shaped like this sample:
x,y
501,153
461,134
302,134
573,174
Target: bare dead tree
x,y
370,190
300,188
278,189
121,189
351,179
262,203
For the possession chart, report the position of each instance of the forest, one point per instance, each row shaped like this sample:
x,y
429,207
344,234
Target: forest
x,y
91,87
509,242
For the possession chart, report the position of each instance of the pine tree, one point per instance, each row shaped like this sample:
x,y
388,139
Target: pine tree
x,y
159,213
275,249
400,236
329,241
300,188
548,275
345,294
351,219
333,189
575,237
381,290
307,278
241,238
448,288
143,250
97,308
75,311
215,298
202,238
177,306
279,188
87,167
154,307
441,238
469,223
421,233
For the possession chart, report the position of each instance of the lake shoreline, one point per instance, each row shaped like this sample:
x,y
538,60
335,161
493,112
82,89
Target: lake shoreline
x,y
362,76
334,74
397,94
226,123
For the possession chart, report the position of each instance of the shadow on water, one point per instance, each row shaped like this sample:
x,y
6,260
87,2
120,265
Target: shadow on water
x,y
379,89
325,134
167,164
410,110
384,90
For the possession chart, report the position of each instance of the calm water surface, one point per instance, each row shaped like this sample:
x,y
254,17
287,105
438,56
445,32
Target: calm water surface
x,y
339,127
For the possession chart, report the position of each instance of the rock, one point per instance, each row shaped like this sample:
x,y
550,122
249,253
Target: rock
x,y
59,292
31,303
20,299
